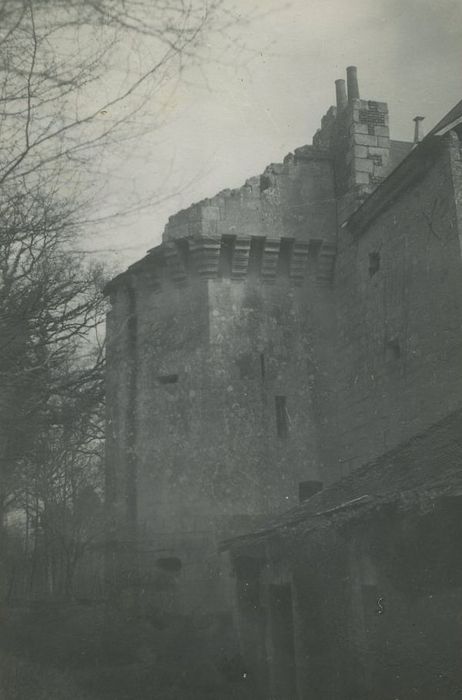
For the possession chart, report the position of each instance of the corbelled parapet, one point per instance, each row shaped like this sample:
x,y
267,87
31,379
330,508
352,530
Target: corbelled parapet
x,y
181,261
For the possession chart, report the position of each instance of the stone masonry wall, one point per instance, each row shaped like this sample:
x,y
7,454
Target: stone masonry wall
x,y
398,289
227,394
294,199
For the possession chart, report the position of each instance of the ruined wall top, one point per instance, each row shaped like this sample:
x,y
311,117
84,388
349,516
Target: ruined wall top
x,y
290,199
350,156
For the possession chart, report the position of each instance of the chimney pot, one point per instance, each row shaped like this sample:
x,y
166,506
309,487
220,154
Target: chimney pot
x,y
352,83
418,131
340,91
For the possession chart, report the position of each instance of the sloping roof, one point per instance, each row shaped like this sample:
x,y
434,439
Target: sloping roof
x,y
450,120
398,152
430,464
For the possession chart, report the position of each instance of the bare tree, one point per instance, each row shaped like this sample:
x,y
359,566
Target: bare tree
x,y
74,75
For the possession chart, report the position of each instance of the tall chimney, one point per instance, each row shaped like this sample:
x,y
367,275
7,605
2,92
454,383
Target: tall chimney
x,y
418,131
352,82
340,91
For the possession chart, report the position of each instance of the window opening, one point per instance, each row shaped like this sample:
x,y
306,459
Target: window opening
x,y
167,379
393,349
246,366
282,422
262,365
171,565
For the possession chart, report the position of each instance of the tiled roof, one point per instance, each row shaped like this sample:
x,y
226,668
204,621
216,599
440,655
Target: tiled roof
x,y
430,464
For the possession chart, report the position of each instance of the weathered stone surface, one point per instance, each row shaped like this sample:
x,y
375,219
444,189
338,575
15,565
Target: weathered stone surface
x,y
365,140
259,355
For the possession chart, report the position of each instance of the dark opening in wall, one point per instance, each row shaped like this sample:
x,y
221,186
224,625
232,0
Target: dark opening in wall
x,y
262,365
392,349
285,256
265,183
306,489
282,418
172,565
246,365
167,378
374,263
256,255
226,256
282,640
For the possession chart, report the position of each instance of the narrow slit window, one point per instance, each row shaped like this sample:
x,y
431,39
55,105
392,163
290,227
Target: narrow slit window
x,y
262,365
167,378
282,419
374,263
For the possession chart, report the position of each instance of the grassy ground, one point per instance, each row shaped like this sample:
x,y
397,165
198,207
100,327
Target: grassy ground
x,y
82,653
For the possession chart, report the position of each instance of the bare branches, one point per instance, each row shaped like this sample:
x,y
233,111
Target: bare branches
x,y
74,76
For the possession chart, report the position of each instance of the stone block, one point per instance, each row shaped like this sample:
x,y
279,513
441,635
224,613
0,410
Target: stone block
x,y
360,151
365,140
383,142
363,165
210,213
361,178
377,151
359,129
380,172
381,131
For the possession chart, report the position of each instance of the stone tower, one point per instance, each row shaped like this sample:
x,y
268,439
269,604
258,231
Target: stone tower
x,y
219,359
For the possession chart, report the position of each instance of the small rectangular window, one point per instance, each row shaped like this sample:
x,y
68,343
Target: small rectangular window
x,y
392,349
167,379
282,422
246,366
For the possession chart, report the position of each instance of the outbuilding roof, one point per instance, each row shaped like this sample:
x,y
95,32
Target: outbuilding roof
x,y
426,467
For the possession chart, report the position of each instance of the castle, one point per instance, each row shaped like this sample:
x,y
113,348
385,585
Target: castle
x,y
283,336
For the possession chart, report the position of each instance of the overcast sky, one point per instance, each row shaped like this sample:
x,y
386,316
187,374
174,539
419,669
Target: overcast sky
x,y
408,53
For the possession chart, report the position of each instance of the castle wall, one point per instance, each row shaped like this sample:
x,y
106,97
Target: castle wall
x,y
266,343
214,398
399,334
294,199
